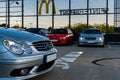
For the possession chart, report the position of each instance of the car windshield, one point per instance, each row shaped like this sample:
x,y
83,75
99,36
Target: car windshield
x,y
33,30
36,31
59,31
45,31
92,32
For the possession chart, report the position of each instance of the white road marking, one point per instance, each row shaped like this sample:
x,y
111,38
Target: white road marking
x,y
59,60
63,65
109,46
60,63
71,57
74,54
77,52
66,59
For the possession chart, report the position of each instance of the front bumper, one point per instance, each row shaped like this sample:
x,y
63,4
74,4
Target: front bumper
x,y
91,43
34,65
59,41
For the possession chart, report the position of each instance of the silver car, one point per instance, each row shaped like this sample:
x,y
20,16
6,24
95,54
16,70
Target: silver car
x,y
91,36
24,55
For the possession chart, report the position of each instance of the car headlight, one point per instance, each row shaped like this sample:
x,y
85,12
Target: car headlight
x,y
26,48
81,38
16,48
100,38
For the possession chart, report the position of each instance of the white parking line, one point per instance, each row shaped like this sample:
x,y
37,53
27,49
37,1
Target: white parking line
x,y
63,65
66,59
109,46
74,54
71,57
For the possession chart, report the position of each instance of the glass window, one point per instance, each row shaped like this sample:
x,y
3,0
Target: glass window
x,y
92,32
59,31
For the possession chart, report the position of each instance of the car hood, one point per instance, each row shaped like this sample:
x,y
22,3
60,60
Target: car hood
x,y
20,36
91,35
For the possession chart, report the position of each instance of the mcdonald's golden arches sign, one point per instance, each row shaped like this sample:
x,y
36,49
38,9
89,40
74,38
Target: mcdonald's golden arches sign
x,y
47,3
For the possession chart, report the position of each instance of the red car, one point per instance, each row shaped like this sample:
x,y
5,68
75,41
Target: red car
x,y
61,36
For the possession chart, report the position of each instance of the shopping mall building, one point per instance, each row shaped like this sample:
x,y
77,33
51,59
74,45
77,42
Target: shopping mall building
x,y
117,13
42,13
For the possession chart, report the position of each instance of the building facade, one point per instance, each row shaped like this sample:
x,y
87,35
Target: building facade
x,y
24,13
117,13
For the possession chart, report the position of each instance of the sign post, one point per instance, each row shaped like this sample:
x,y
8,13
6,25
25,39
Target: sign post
x,y
8,8
53,14
107,20
87,13
106,16
22,13
37,19
70,14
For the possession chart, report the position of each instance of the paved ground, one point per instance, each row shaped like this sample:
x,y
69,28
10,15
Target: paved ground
x,y
85,63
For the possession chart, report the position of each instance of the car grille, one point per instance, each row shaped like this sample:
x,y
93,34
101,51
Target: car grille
x,y
43,45
90,38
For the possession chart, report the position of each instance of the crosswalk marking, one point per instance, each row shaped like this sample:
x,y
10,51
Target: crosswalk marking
x,y
109,46
74,54
63,61
60,63
66,59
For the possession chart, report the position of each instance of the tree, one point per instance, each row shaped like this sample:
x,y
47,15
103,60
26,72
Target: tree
x,y
15,26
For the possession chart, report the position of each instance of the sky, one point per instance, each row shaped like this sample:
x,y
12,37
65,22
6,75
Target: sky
x,y
60,21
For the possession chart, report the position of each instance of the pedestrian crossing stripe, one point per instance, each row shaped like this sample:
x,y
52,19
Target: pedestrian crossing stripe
x,y
63,61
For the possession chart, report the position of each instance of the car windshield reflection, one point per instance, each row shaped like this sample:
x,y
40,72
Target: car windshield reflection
x,y
59,31
92,32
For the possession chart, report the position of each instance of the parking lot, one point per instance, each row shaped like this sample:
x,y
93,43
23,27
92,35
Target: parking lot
x,y
85,63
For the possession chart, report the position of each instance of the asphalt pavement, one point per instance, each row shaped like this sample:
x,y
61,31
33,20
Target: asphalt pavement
x,y
85,63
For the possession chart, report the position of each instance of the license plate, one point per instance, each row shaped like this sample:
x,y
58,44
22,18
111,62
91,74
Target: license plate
x,y
90,41
51,57
54,40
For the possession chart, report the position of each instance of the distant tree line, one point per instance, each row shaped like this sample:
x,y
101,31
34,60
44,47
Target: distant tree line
x,y
80,27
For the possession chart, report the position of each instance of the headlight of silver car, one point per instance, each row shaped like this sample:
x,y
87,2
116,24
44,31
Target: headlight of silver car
x,y
26,48
81,38
16,48
100,38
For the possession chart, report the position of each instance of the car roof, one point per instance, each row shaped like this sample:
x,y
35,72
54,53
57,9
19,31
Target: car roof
x,y
59,29
92,29
36,28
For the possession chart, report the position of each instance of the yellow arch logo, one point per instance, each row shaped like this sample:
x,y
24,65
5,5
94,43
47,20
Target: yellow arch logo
x,y
47,6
